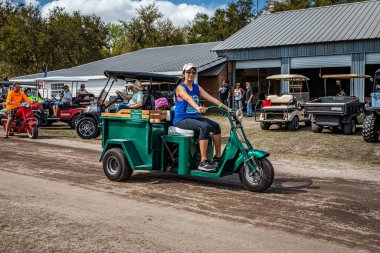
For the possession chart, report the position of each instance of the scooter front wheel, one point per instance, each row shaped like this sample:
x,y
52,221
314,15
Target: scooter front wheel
x,y
259,181
32,132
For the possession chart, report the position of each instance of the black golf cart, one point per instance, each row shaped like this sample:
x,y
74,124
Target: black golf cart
x,y
371,124
89,124
336,112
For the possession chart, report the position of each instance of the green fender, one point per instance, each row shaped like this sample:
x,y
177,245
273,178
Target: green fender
x,y
124,144
252,153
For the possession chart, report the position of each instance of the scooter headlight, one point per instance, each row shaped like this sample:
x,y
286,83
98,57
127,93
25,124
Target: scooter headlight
x,y
238,115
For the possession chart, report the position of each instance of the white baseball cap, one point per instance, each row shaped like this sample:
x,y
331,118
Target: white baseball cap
x,y
189,66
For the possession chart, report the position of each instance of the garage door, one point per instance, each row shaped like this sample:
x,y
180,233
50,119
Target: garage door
x,y
320,62
372,58
259,64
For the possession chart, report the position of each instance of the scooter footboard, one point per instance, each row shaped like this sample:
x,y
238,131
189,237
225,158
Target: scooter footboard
x,y
257,153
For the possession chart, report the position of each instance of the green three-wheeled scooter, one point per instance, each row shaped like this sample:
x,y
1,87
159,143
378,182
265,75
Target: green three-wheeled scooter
x,y
131,142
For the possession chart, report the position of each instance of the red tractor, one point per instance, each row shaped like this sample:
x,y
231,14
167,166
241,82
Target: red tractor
x,y
24,122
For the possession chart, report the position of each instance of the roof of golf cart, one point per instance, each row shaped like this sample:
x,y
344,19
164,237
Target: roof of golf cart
x,y
63,79
6,83
23,82
345,76
142,76
288,77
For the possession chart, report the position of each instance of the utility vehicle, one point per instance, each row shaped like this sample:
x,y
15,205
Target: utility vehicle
x,y
339,112
131,142
287,109
371,124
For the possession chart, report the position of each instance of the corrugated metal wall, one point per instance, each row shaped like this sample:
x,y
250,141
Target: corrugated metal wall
x,y
357,84
259,64
285,69
333,48
372,58
320,62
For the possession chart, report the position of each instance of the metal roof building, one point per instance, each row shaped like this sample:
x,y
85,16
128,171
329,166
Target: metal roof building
x,y
338,36
168,60
164,60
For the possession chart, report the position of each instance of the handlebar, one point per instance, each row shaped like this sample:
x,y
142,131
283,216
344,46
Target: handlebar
x,y
217,107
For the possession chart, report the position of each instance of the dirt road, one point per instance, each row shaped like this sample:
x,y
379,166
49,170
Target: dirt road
x,y
57,199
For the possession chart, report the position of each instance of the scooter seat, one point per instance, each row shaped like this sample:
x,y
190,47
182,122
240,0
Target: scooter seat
x,y
180,132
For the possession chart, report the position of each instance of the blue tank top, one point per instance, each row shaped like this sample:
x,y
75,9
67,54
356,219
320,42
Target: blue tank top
x,y
183,110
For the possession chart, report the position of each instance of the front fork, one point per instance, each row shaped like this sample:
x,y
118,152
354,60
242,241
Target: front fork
x,y
250,161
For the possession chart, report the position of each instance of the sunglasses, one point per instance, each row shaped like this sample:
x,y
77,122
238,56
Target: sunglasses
x,y
191,72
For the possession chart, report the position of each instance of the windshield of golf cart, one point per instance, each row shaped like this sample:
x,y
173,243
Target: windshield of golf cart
x,y
298,86
72,82
339,77
155,85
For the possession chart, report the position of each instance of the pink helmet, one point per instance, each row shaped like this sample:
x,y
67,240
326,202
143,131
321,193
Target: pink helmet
x,y
161,102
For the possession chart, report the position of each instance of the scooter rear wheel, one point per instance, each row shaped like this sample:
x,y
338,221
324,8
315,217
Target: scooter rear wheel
x,y
259,181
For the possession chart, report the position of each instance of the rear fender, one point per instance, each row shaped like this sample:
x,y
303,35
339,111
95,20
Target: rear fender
x,y
257,153
32,123
123,144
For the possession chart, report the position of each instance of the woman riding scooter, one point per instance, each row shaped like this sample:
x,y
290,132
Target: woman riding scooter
x,y
186,115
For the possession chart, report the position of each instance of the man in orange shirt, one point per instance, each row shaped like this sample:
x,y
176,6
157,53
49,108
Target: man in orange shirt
x,y
13,102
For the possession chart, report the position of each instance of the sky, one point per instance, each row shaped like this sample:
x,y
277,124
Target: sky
x,y
180,12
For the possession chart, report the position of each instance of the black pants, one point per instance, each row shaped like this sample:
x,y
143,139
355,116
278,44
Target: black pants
x,y
201,127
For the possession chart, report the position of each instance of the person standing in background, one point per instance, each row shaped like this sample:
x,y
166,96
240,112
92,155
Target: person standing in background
x,y
238,96
248,99
225,93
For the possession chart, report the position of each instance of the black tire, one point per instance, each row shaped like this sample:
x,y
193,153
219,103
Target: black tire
x,y
315,128
349,128
334,129
294,124
115,165
37,119
74,121
370,128
87,128
32,132
48,123
261,180
264,125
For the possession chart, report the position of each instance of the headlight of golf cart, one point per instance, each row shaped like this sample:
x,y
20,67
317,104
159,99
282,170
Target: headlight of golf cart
x,y
91,108
238,115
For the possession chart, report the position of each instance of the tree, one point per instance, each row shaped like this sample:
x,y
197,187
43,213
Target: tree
x,y
149,29
222,24
29,42
116,40
22,38
74,39
199,29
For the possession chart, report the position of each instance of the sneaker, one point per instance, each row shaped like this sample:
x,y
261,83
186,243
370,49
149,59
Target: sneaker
x,y
207,166
215,160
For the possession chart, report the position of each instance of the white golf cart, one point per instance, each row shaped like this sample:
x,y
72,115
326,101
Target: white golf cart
x,y
287,109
